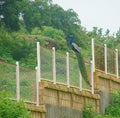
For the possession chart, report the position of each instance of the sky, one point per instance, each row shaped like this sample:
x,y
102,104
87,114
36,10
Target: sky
x,y
95,13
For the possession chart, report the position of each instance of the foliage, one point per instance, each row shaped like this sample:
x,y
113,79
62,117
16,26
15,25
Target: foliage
x,y
88,113
56,35
36,31
12,109
10,10
42,14
114,108
14,47
38,14
112,111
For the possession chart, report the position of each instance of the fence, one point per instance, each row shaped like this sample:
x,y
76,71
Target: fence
x,y
52,66
7,78
22,82
106,59
59,68
18,81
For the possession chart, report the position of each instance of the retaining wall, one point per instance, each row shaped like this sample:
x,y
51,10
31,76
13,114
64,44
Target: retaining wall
x,y
57,100
105,85
61,95
36,111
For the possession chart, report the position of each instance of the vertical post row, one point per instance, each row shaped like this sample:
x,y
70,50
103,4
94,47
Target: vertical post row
x,y
38,61
116,63
54,66
17,82
93,54
80,80
92,78
105,57
67,70
37,87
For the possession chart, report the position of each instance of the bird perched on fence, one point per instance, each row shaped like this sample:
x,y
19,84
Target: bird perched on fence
x,y
80,60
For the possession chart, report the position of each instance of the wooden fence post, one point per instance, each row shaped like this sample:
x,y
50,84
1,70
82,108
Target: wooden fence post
x,y
67,70
116,63
93,54
105,57
17,81
54,66
38,61
37,87
80,79
92,78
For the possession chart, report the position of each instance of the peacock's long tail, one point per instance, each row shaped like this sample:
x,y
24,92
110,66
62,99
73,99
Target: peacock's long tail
x,y
82,67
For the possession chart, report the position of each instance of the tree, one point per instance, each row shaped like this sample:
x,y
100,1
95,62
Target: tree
x,y
107,32
10,11
100,32
36,14
67,21
118,35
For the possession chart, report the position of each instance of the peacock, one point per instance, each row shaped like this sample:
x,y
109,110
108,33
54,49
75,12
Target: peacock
x,y
80,60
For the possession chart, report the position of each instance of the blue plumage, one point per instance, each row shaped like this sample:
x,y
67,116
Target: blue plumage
x,y
81,63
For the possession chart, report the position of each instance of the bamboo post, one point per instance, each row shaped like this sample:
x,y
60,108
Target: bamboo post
x,y
67,70
37,87
92,78
105,57
93,54
54,66
80,78
38,61
17,81
116,63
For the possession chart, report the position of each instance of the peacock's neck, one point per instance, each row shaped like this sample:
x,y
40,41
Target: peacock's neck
x,y
71,40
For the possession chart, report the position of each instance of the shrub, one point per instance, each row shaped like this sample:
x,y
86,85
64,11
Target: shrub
x,y
114,108
88,113
36,31
12,109
56,34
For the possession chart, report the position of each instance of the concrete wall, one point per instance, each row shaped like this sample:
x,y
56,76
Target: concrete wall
x,y
59,101
106,82
105,85
55,111
61,95
36,111
52,111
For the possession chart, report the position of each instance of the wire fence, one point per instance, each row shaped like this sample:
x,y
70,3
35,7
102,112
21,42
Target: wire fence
x,y
56,66
61,69
27,77
111,61
8,78
99,57
27,82
107,59
46,63
119,62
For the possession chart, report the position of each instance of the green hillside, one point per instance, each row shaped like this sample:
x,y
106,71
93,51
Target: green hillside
x,y
27,22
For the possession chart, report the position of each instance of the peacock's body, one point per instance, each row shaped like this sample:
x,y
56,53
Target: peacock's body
x,y
81,63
